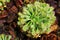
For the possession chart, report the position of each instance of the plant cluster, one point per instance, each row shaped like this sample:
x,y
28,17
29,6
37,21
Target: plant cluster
x,y
36,19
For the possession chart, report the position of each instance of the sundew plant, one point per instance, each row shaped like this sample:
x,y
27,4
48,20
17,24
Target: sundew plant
x,y
36,19
5,37
2,3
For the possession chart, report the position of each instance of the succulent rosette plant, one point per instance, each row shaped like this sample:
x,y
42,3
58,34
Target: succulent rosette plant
x,y
36,19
